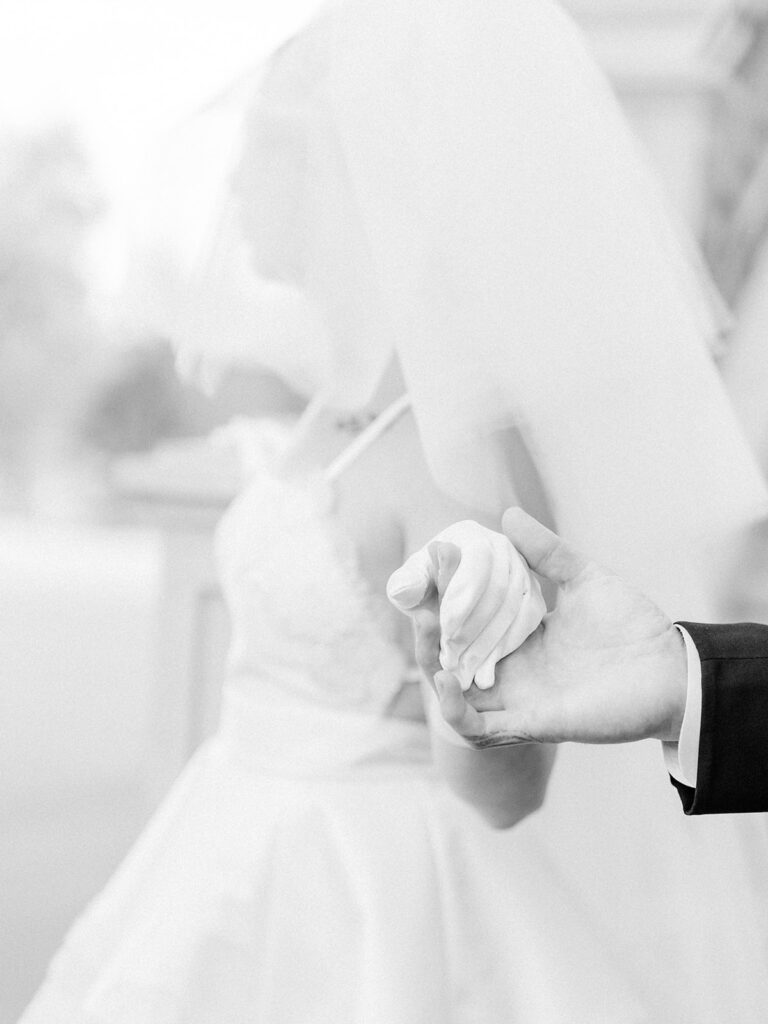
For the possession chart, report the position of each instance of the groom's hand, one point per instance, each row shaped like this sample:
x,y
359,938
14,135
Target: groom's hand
x,y
607,666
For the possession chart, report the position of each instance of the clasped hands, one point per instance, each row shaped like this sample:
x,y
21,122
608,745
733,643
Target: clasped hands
x,y
605,666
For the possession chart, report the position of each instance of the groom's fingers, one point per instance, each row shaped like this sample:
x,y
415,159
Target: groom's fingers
x,y
542,549
460,715
480,728
426,617
427,641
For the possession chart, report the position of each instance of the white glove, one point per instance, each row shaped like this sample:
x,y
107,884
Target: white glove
x,y
490,605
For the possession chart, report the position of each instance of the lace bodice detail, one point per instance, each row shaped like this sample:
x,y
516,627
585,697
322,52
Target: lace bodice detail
x,y
303,617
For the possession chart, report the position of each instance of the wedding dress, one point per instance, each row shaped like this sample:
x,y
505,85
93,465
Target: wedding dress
x,y
309,867
464,190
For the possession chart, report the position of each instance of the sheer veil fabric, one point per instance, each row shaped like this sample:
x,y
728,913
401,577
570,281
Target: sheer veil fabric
x,y
456,184
460,187
531,281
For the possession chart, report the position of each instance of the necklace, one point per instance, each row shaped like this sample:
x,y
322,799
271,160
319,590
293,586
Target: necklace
x,y
354,423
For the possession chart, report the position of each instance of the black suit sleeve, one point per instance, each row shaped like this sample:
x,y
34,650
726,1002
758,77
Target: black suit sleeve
x,y
733,743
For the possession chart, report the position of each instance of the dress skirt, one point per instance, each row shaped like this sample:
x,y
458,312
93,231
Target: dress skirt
x,y
285,888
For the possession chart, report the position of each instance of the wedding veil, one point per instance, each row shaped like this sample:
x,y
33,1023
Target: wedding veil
x,y
455,182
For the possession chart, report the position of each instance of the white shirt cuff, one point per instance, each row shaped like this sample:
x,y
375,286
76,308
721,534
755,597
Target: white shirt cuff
x,y
682,758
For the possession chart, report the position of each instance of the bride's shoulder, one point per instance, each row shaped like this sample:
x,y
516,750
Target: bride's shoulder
x,y
391,461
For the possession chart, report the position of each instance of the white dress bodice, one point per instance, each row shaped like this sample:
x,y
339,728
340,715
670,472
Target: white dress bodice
x,y
314,662
301,612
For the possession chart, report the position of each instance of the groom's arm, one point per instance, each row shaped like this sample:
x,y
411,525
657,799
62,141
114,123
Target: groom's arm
x,y
732,771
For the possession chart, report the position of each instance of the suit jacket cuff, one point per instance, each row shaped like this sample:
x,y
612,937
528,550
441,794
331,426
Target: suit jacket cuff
x,y
732,773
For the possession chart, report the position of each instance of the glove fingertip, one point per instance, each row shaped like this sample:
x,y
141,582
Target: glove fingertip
x,y
485,676
407,587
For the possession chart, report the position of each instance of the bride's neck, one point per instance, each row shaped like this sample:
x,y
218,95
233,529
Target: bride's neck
x,y
323,431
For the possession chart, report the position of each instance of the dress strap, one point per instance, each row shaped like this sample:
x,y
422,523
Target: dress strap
x,y
363,441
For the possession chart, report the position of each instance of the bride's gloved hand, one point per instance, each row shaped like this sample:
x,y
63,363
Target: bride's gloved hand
x,y
471,584
606,666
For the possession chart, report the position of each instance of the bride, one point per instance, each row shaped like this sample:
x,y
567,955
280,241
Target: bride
x,y
450,243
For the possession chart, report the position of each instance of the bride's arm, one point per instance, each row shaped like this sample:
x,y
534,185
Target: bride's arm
x,y
504,784
392,507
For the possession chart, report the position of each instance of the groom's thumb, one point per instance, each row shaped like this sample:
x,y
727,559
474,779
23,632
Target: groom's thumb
x,y
542,549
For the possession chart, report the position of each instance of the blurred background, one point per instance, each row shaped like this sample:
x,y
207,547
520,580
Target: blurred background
x,y
111,629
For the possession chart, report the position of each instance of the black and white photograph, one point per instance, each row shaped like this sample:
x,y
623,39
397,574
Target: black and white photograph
x,y
384,512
